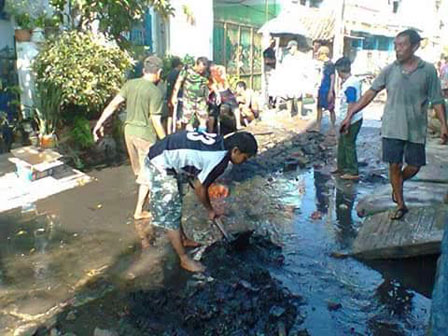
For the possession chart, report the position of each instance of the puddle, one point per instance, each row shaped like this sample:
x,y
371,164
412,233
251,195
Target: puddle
x,y
347,296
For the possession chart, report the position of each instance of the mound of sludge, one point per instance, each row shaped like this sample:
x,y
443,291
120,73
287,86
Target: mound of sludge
x,y
237,296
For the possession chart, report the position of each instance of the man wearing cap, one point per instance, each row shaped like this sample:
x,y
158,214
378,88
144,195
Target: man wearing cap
x,y
143,126
411,85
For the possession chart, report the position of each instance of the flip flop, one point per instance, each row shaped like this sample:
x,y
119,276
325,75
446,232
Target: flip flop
x,y
399,213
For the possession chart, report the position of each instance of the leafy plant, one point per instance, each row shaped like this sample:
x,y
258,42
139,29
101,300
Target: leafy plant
x,y
47,107
114,17
88,68
81,133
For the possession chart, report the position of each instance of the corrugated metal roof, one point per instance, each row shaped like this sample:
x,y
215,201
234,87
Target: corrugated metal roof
x,y
313,23
320,26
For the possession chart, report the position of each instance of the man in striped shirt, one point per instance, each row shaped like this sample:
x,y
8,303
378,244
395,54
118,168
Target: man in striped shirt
x,y
202,157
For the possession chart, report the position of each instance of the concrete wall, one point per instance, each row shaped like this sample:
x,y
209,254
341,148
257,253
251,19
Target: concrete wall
x,y
192,38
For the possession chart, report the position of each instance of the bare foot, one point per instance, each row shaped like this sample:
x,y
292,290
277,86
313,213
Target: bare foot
x,y
189,243
142,215
190,265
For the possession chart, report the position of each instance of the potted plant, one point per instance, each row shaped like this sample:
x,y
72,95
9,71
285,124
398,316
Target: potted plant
x,y
22,32
31,16
47,113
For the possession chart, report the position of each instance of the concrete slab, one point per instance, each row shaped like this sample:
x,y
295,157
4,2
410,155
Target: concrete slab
x,y
417,194
420,232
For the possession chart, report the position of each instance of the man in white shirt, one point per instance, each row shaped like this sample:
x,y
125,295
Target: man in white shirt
x,y
350,94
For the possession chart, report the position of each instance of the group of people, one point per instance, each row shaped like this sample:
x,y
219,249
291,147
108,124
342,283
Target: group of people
x,y
200,97
162,158
412,86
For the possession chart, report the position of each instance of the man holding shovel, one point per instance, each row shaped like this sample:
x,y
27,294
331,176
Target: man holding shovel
x,y
200,156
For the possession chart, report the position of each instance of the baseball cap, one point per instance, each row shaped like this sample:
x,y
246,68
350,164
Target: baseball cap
x,y
154,61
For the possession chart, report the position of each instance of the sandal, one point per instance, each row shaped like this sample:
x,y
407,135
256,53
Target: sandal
x,y
399,213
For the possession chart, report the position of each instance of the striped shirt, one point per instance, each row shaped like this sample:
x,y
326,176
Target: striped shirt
x,y
198,155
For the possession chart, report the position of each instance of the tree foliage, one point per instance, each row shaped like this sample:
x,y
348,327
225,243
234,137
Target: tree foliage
x,y
114,16
88,68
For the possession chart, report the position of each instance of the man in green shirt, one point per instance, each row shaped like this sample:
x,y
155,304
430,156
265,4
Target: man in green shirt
x,y
143,126
411,85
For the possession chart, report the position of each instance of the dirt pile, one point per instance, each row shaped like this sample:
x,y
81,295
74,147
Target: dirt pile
x,y
237,296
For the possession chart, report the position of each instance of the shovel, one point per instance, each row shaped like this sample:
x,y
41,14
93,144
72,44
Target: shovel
x,y
239,242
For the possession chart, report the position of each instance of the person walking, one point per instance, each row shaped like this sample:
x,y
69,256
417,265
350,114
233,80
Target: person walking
x,y
143,125
411,85
326,95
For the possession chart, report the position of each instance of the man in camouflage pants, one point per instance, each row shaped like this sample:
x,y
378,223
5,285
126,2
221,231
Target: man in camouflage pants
x,y
194,83
201,157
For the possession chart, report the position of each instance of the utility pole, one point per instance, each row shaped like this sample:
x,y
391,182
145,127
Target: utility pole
x,y
338,44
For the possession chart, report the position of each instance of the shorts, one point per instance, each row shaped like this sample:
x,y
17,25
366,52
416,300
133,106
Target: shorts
x,y
323,102
138,149
165,197
395,149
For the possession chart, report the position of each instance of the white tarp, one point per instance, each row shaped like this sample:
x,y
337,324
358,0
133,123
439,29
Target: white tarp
x,y
16,192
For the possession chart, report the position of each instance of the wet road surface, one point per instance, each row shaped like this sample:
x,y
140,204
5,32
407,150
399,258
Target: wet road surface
x,y
81,247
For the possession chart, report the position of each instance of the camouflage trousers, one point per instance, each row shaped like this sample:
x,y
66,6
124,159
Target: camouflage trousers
x,y
193,109
165,198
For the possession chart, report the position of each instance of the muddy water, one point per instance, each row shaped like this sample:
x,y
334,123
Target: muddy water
x,y
347,296
48,258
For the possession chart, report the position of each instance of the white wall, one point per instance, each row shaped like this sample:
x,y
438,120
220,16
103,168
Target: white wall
x,y
185,38
6,34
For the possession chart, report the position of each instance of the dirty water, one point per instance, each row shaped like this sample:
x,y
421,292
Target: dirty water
x,y
294,285
347,296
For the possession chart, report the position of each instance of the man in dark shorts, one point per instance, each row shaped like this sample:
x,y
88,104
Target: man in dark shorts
x,y
411,85
200,156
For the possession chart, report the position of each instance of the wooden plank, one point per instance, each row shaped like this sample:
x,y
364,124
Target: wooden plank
x,y
420,232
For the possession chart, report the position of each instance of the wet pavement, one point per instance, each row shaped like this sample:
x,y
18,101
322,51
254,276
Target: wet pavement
x,y
78,262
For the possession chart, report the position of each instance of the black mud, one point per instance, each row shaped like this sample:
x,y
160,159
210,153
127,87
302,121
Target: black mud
x,y
236,296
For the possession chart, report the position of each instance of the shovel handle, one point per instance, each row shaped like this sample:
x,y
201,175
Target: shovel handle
x,y
218,223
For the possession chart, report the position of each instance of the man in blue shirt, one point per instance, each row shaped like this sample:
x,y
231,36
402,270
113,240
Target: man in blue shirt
x,y
199,156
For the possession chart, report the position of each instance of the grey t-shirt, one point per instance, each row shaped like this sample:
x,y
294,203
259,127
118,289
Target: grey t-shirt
x,y
408,96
